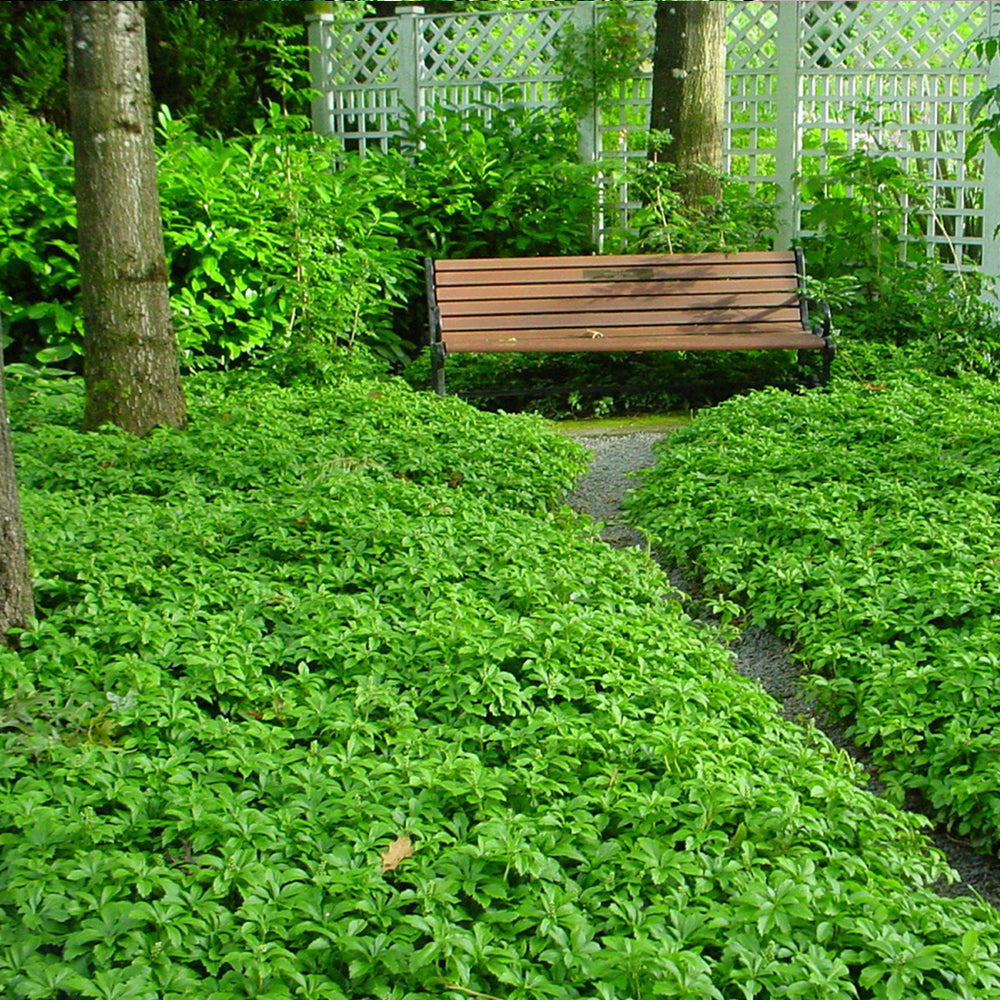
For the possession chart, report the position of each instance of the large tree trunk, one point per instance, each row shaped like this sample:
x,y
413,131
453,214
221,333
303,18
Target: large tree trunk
x,y
130,363
16,605
689,90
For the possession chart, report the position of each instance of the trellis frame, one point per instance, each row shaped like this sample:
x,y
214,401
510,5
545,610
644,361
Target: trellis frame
x,y
371,75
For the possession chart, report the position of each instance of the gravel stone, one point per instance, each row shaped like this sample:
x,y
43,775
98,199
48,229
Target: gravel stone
x,y
757,653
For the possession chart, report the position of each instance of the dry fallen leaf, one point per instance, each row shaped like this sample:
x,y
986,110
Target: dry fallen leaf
x,y
399,850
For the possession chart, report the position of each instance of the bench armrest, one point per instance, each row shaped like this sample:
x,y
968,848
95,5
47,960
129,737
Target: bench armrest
x,y
824,324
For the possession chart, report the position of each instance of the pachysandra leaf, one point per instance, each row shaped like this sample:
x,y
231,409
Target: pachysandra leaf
x,y
399,850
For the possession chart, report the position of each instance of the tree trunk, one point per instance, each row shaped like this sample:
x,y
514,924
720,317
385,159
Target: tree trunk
x,y
130,362
689,91
16,605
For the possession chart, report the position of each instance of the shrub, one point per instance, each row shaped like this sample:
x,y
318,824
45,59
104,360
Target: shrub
x,y
505,182
870,216
743,219
272,252
39,277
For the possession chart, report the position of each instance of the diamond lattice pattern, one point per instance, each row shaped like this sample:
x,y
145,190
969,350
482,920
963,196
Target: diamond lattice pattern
x,y
903,35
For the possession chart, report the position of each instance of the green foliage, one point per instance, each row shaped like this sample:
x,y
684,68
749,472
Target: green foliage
x,y
861,523
217,64
498,183
870,216
275,252
271,248
743,219
271,251
39,279
32,59
271,645
593,62
984,108
862,209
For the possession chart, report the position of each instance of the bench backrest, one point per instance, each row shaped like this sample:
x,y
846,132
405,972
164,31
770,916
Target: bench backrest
x,y
711,301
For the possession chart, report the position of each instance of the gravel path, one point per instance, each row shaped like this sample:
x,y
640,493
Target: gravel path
x,y
757,654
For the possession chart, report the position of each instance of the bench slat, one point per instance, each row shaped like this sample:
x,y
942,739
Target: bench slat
x,y
456,295
514,276
612,260
621,321
612,303
698,339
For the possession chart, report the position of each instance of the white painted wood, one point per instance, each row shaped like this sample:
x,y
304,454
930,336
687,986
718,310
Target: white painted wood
x,y
408,69
991,175
585,19
318,28
788,107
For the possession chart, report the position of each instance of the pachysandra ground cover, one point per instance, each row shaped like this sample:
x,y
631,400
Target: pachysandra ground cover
x,y
329,698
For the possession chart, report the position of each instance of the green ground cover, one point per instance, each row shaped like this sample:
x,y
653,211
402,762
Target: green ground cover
x,y
317,621
862,523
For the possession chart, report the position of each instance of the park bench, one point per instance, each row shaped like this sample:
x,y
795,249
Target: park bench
x,y
652,302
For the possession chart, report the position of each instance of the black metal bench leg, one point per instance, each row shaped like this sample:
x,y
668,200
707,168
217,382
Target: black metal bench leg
x,y
828,353
437,368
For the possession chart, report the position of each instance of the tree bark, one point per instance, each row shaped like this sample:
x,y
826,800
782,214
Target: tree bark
x,y
16,604
689,91
130,357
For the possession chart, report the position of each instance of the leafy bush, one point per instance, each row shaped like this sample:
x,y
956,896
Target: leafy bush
x,y
743,219
505,182
273,646
862,524
870,216
214,64
274,253
271,251
39,278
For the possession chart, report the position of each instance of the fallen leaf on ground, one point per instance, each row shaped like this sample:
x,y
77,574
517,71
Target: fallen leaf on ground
x,y
399,850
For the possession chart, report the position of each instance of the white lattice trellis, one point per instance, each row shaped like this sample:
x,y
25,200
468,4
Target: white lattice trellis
x,y
891,74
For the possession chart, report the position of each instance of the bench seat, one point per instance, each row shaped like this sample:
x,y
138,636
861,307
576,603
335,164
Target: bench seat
x,y
652,302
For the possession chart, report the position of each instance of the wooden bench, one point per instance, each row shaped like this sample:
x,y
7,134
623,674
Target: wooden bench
x,y
654,302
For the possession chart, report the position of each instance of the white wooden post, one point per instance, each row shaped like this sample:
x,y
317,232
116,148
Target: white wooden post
x,y
588,130
410,67
787,107
589,146
991,175
319,22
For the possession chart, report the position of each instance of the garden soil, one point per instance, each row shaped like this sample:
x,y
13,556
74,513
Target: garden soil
x,y
757,654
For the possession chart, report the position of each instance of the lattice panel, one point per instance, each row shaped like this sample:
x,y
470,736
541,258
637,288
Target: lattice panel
x,y
360,53
365,119
750,39
496,46
488,99
889,36
918,118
